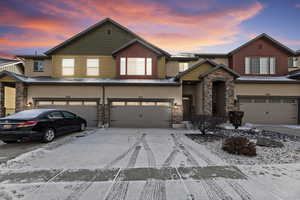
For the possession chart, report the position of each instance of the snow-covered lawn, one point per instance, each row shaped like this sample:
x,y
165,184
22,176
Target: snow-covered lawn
x,y
142,164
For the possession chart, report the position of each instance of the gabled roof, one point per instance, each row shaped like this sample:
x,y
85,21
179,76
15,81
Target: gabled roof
x,y
34,56
265,36
6,62
138,41
97,25
13,75
216,66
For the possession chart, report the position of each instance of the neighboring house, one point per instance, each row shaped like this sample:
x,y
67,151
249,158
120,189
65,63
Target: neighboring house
x,y
110,75
17,67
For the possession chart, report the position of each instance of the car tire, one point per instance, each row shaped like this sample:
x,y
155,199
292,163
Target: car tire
x,y
49,135
10,142
82,127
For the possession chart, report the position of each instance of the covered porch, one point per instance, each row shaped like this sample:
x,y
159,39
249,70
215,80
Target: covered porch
x,y
13,93
207,89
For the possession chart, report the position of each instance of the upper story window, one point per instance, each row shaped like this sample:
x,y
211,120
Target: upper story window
x,y
183,66
68,66
92,67
136,66
292,62
38,66
260,65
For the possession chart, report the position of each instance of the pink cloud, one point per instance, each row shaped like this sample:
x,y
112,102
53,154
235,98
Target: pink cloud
x,y
169,28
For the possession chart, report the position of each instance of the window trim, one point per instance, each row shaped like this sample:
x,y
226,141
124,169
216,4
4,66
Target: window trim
x,y
184,66
124,72
62,64
42,61
271,69
98,67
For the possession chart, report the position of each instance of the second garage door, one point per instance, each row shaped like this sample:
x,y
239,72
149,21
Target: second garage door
x,y
262,110
84,109
140,114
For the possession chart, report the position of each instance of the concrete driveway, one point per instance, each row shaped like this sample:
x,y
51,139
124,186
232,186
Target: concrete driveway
x,y
134,164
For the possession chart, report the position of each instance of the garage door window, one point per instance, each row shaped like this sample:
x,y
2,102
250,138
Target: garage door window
x,y
45,103
75,103
59,103
148,103
275,100
259,100
167,104
289,101
117,103
133,103
90,103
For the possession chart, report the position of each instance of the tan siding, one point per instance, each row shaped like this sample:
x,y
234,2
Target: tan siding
x,y
107,66
194,75
161,67
35,91
29,68
110,92
145,92
172,68
267,89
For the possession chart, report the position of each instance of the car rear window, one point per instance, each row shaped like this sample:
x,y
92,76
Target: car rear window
x,y
26,114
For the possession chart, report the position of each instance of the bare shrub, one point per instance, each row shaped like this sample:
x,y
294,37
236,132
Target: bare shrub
x,y
240,146
207,122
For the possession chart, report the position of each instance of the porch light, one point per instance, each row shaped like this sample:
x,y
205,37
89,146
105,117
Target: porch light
x,y
29,104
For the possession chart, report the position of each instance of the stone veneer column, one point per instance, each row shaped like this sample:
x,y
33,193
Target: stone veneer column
x,y
218,75
2,95
21,96
177,114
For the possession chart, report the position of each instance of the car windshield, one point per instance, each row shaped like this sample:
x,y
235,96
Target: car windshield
x,y
26,114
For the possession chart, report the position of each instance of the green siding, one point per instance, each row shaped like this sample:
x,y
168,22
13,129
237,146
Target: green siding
x,y
97,42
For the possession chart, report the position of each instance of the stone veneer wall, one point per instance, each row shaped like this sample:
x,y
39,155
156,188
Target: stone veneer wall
x,y
177,114
2,94
218,75
21,96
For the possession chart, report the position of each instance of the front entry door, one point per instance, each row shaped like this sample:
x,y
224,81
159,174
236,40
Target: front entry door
x,y
187,108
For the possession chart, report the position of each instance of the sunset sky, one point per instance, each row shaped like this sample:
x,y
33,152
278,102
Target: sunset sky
x,y
205,26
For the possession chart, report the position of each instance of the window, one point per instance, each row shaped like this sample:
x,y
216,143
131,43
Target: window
x,y
292,61
92,67
38,66
183,66
55,115
69,115
260,65
68,67
136,66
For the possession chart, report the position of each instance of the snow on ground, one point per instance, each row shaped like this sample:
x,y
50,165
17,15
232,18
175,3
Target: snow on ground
x,y
290,153
265,176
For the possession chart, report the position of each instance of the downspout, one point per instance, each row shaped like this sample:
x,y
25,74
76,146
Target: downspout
x,y
103,106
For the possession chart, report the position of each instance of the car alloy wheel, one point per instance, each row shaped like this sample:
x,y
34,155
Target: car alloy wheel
x,y
49,135
82,127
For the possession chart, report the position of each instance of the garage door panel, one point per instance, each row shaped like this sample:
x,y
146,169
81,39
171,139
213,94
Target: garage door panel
x,y
272,111
89,113
140,116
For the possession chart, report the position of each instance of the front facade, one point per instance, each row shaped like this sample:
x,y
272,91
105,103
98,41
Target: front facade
x,y
111,76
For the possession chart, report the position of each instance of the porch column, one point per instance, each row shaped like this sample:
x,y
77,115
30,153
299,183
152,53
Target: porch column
x,y
207,96
21,96
2,95
230,95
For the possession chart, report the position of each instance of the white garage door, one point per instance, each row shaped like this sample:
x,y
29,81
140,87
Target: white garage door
x,y
269,110
84,109
140,114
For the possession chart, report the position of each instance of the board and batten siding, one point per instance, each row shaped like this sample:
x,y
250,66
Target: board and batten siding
x,y
97,42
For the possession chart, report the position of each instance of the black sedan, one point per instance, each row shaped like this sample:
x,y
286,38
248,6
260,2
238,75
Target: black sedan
x,y
39,124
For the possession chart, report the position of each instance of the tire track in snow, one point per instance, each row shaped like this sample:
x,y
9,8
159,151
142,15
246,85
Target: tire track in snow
x,y
213,190
81,188
153,189
240,190
119,189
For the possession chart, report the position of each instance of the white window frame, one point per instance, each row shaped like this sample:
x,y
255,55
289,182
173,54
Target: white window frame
x,y
92,67
143,66
68,66
266,65
183,66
